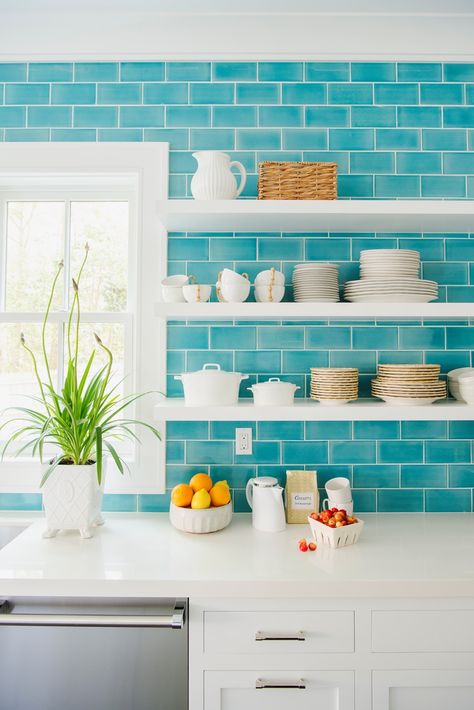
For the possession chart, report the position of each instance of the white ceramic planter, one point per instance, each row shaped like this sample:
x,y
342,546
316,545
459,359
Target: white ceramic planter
x,y
72,499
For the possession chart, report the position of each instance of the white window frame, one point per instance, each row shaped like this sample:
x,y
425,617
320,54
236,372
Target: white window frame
x,y
121,170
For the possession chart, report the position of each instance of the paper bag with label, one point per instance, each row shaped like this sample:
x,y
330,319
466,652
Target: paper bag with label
x,y
301,494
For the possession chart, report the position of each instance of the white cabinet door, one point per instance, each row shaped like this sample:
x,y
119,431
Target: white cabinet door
x,y
436,690
278,690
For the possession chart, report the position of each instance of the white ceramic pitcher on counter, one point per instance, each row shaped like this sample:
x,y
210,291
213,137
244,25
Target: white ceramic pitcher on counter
x,y
213,179
265,497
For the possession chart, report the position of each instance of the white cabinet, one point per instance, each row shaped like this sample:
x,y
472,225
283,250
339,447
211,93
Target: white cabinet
x,y
428,631
430,689
278,690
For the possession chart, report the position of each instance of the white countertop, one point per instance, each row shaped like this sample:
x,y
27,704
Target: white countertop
x,y
398,555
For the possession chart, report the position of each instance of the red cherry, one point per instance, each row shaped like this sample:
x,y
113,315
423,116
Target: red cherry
x,y
312,546
303,547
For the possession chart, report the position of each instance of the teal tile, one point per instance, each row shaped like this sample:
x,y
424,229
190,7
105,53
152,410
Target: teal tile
x,y
234,71
188,71
73,93
458,163
469,94
185,116
396,94
304,452
443,501
281,116
27,135
373,71
177,187
303,360
212,139
416,163
376,116
328,430
20,501
365,501
45,71
400,501
461,476
379,338
443,139
262,452
400,451
400,356
280,249
305,139
95,116
339,157
119,94
178,138
232,338
188,248
338,116
307,93
180,337
397,186
446,273
180,162
327,471
119,503
328,71
212,452
397,139
175,362
259,139
364,360
236,116
376,430
327,249
10,71
458,117
175,452
441,94
26,94
419,71
226,430
165,93
350,94
355,186
328,338
13,116
143,116
459,72
237,476
440,186
421,338
96,71
461,430
240,501
361,243
208,93
430,249
205,272
448,451
233,249
47,116
448,360
181,473
262,361
115,135
423,476
459,338
153,503
424,430
142,71
281,431
351,139
280,337
352,452
67,135
281,71
419,116
460,294
376,476
196,359
257,93
372,162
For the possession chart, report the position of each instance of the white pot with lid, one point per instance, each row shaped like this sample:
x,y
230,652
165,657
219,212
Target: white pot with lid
x,y
211,386
273,393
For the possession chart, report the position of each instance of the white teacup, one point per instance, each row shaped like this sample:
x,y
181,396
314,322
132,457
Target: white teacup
x,y
339,490
269,293
228,276
197,293
176,280
348,505
233,292
270,276
173,294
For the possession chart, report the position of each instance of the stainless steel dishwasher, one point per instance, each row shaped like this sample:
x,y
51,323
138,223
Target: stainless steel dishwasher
x,y
102,654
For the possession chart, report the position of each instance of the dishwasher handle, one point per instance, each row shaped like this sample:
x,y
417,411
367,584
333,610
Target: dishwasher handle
x,y
172,621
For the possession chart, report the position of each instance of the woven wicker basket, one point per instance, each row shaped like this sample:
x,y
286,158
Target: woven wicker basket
x,y
297,181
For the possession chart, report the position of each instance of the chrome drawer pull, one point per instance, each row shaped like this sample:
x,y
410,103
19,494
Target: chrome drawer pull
x,y
262,636
261,684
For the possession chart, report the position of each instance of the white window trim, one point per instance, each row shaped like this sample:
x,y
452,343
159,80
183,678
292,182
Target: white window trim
x,y
145,165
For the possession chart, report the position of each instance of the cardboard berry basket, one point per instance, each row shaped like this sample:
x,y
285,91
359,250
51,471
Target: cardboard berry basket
x,y
335,537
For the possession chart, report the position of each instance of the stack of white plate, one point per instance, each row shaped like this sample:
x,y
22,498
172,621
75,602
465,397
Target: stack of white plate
x,y
408,384
334,385
316,282
390,276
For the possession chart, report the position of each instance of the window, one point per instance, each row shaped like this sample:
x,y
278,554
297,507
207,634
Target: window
x,y
64,197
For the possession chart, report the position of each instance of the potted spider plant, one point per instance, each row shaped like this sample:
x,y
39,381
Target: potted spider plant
x,y
82,419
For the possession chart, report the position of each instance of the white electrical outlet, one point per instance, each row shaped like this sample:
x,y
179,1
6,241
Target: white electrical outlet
x,y
243,442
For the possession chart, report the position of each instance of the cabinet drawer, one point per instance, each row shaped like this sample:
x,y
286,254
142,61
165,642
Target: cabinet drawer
x,y
278,690
428,631
433,690
266,632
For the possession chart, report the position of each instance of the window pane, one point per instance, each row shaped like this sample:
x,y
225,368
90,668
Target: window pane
x,y
35,245
104,226
17,379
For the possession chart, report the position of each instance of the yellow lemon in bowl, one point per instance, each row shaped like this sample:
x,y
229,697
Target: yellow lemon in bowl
x,y
201,499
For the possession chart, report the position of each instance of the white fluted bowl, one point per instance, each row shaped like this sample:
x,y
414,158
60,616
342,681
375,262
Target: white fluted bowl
x,y
201,521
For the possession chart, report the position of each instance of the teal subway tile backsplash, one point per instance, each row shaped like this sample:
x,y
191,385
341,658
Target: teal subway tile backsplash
x,y
396,131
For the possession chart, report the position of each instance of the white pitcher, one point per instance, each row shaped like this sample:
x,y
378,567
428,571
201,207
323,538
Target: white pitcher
x,y
213,179
265,497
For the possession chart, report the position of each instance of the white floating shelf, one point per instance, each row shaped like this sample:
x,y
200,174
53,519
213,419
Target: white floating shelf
x,y
317,215
315,311
307,410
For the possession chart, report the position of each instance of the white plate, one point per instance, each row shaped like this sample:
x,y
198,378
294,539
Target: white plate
x,y
391,299
409,401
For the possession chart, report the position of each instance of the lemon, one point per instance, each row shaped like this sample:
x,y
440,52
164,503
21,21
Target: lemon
x,y
201,499
221,483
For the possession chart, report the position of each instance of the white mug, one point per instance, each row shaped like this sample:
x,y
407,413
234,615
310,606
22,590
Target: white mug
x,y
339,490
348,505
196,293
